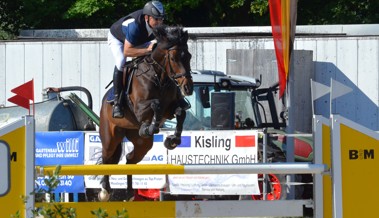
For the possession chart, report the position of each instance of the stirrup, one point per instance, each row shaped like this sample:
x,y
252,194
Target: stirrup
x,y
117,111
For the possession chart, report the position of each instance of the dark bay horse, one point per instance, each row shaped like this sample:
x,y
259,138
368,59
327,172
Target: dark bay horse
x,y
153,97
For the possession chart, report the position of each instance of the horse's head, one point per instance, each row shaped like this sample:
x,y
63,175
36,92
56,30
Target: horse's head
x,y
172,54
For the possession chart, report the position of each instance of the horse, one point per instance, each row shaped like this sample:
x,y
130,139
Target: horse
x,y
157,86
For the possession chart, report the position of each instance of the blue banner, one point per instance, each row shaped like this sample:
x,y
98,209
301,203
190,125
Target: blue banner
x,y
61,148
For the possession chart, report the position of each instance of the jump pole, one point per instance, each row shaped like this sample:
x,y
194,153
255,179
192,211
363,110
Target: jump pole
x,y
191,208
159,169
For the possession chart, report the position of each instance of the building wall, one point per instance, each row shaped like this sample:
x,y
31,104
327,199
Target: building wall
x,y
351,60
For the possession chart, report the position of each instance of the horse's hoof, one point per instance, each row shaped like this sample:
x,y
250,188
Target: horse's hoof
x,y
172,142
103,195
129,196
144,131
156,130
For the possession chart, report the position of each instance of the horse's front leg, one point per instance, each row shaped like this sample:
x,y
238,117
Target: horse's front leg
x,y
174,140
114,158
148,130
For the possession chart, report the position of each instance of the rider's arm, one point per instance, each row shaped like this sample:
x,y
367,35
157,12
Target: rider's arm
x,y
132,51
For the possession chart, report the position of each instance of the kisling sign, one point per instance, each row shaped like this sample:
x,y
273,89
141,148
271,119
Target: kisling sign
x,y
197,147
215,147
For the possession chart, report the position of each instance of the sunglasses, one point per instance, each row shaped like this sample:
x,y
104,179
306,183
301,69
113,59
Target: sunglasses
x,y
157,19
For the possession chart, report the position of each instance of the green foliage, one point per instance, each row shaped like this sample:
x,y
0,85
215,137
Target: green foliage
x,y
51,210
100,13
11,19
355,11
16,215
55,210
7,35
337,12
101,213
47,14
73,14
86,8
259,7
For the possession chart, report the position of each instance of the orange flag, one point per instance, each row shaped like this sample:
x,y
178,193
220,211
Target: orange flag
x,y
24,93
283,14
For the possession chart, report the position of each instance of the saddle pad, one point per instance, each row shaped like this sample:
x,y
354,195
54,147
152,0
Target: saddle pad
x,y
110,97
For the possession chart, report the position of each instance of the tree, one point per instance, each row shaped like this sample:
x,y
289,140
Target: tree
x,y
46,14
58,14
337,12
10,18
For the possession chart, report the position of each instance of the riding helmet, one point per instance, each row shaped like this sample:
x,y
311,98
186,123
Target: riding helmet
x,y
155,9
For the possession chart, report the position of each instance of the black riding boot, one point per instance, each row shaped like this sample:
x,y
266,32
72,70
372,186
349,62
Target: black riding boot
x,y
118,111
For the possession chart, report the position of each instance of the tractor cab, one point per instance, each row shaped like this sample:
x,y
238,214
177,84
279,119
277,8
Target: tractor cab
x,y
226,102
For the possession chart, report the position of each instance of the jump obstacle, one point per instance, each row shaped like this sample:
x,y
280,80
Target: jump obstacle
x,y
351,146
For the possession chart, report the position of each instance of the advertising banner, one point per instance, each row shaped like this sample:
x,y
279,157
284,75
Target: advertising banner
x,y
215,147
157,155
60,148
354,163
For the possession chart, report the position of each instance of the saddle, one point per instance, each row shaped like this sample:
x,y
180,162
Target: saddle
x,y
129,69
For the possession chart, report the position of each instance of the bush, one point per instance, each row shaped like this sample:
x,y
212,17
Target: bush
x,y
54,209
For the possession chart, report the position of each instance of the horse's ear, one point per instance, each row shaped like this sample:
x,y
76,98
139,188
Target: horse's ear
x,y
185,36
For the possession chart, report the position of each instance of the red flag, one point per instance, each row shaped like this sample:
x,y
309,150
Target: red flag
x,y
283,15
25,90
24,93
20,101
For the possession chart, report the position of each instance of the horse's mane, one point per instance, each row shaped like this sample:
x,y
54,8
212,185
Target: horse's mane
x,y
171,35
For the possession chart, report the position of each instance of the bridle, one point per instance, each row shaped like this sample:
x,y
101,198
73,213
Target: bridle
x,y
172,75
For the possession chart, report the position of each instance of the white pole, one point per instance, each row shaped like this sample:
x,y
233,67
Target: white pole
x,y
272,168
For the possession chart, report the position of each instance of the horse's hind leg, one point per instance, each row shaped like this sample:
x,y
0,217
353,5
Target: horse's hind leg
x,y
174,140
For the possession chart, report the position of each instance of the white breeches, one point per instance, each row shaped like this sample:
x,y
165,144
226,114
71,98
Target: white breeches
x,y
117,49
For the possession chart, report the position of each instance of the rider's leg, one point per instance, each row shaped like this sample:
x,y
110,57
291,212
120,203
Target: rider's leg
x,y
118,111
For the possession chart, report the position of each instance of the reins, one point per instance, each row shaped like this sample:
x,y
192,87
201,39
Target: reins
x,y
171,75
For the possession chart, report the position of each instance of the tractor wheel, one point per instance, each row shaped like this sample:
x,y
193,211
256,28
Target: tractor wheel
x,y
275,187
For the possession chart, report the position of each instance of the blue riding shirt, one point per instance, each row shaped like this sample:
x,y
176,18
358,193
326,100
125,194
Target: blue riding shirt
x,y
136,32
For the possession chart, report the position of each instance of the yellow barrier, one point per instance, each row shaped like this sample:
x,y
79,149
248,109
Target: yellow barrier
x,y
113,169
17,181
135,209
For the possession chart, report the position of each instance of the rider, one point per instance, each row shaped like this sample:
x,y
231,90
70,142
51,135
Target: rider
x,y
132,36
